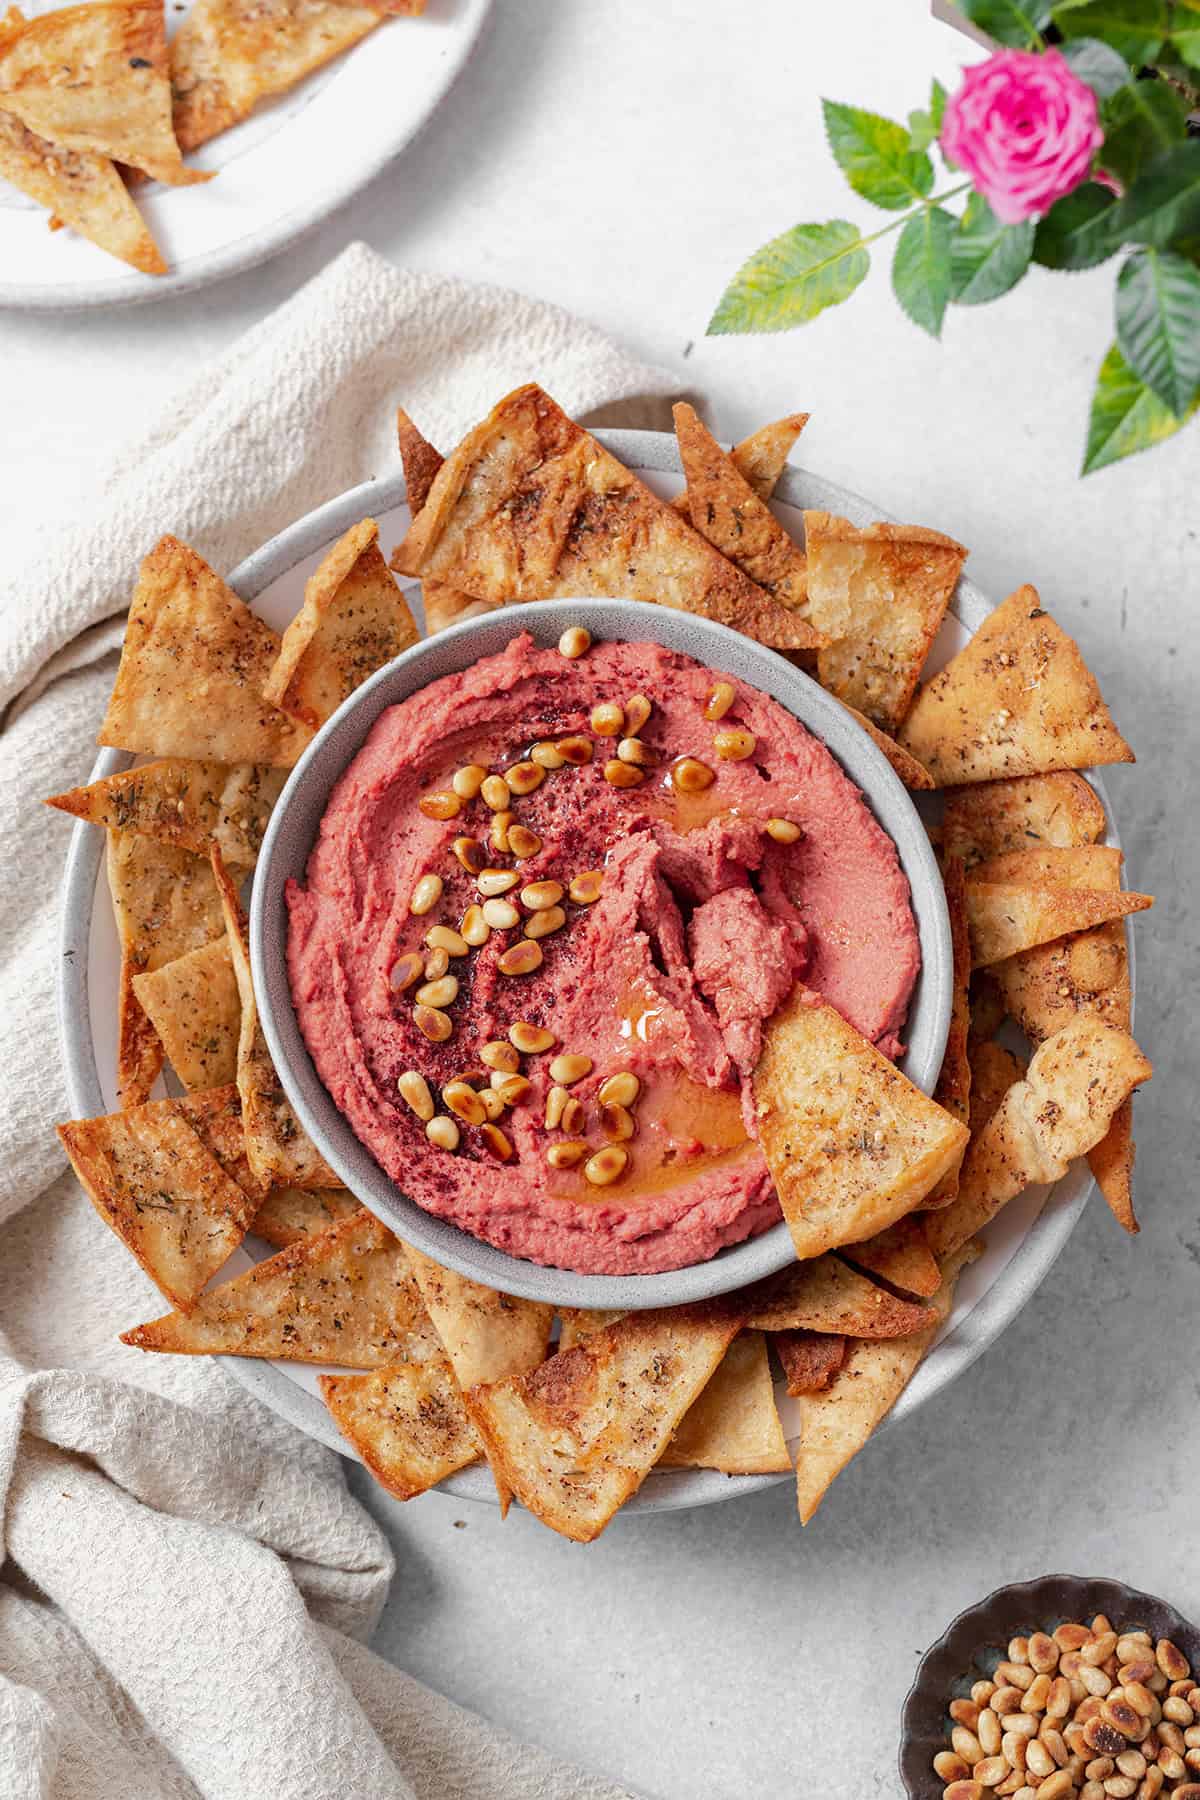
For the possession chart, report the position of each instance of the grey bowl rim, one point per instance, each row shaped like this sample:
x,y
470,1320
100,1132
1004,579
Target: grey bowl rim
x,y
977,1628
669,1490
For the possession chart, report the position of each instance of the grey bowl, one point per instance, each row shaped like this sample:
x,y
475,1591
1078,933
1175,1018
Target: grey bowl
x,y
292,833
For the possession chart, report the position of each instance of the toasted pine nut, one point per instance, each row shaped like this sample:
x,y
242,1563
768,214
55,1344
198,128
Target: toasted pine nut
x,y
1171,1764
967,1744
1100,1624
426,894
575,642
987,1725
1069,1664
691,776
492,1102
1131,1647
1058,1700
633,750
1057,1786
520,959
1177,1710
963,1790
445,804
566,1153
496,793
608,1165
1099,1650
1018,1650
474,927
436,964
547,756
522,842
1142,1700
1043,1651
575,750
530,1039
1120,1787
1038,1759
437,1026
1100,1768
442,937
1070,1636
1171,1660
1013,1748
1132,1762
567,1069
573,1117
950,1767
1016,1674
1139,1670
1055,1744
496,881
500,1056
540,895
502,824
405,971
786,831
1036,1695
414,1091
734,745
719,701
637,711
464,1102
607,719
512,1089
1006,1699
467,782
443,1132
470,853
524,777
442,992
497,1143
1102,1738
620,1089
543,923
620,774
585,888
982,1692
1094,1680
991,1771
1167,1734
618,1124
1022,1724
556,1102
501,915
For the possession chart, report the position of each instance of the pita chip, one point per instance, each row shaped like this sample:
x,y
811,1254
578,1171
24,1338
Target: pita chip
x,y
181,801
289,1214
836,1423
1018,700
878,595
725,509
1064,1106
154,1183
344,1295
576,1323
165,904
761,458
953,1089
195,1009
279,1150
827,1295
407,1423
734,1423
1010,916
192,670
215,1115
575,1437
229,54
1111,1163
809,1359
900,1256
81,190
530,507
906,766
442,605
1028,813
994,1069
851,1143
93,79
353,621
987,1007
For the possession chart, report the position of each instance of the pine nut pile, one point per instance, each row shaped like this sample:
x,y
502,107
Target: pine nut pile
x,y
1088,1713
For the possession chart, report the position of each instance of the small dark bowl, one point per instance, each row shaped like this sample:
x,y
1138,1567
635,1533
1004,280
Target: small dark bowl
x,y
978,1639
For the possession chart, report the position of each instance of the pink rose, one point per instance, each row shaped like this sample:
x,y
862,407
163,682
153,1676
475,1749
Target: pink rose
x,y
1025,129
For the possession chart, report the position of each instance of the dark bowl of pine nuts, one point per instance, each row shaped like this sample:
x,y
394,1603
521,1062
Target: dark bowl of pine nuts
x,y
1064,1688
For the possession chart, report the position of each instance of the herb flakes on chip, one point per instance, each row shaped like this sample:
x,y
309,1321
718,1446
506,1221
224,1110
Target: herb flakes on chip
x,y
407,1423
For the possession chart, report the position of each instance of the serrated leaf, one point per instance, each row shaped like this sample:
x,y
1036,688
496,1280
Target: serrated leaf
x,y
1164,201
1158,325
1096,63
1018,23
921,267
924,128
793,278
1077,232
1126,416
986,257
1140,120
1185,31
1136,29
873,155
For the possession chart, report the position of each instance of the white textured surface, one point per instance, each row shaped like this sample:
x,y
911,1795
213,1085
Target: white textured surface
x,y
621,160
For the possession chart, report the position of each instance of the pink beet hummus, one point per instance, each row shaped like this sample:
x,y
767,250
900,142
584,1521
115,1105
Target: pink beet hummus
x,y
704,923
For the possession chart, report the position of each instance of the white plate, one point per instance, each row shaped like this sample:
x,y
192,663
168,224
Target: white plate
x,y
1021,1244
282,171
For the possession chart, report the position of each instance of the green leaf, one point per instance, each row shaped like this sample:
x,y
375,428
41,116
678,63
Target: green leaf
x,y
1136,29
793,278
1126,416
1164,201
924,128
1096,63
1019,23
874,156
1139,120
1077,232
986,257
1185,31
921,267
1158,325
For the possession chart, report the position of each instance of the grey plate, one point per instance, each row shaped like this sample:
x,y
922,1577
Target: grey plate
x,y
984,1315
293,831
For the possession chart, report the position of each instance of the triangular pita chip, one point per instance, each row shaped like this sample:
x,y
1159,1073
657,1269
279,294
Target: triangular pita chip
x,y
1093,866
1018,700
442,605
1075,1082
167,1198
912,773
192,668
576,1323
353,621
344,1296
878,594
809,1359
734,1424
761,458
1009,916
94,79
195,1009
181,801
953,1089
407,1423
574,1438
994,1069
279,1149
836,1423
851,1143
725,509
1111,1163
215,1115
289,1213
229,54
900,1256
827,1295
165,904
84,192
987,1006
994,816
530,507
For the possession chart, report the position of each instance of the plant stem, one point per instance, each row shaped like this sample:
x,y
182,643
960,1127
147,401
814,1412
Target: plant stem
x,y
933,200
